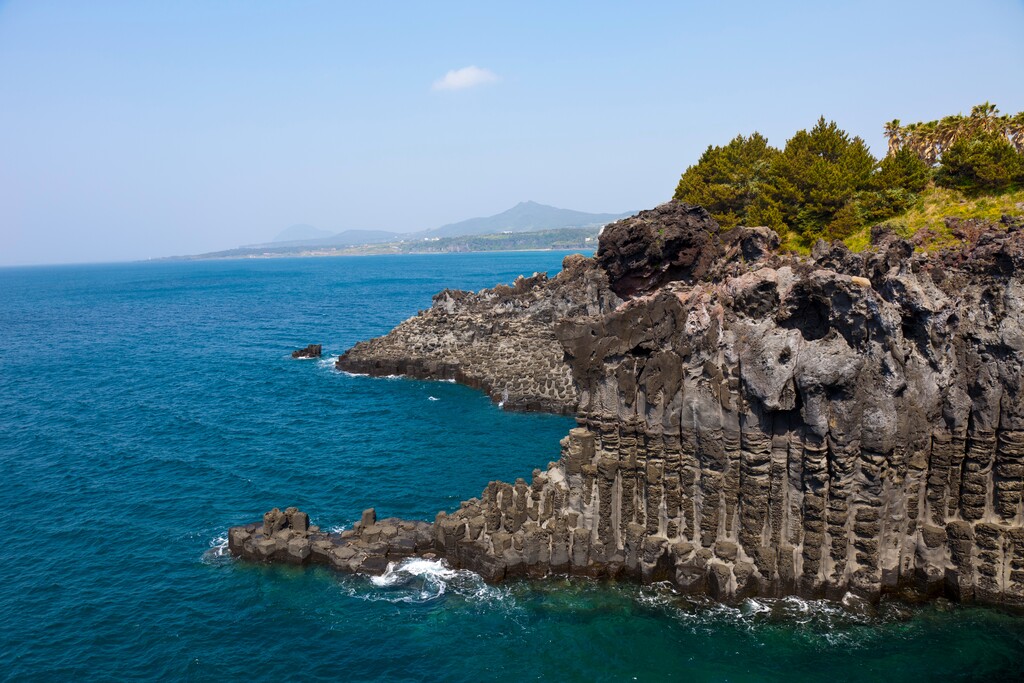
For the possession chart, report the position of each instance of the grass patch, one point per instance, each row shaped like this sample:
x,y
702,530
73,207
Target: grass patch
x,y
932,208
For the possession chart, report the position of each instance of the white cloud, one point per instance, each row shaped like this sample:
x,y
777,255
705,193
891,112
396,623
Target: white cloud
x,y
466,77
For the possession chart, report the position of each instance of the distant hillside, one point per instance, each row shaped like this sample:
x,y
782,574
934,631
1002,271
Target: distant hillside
x,y
345,238
524,217
583,239
558,239
300,231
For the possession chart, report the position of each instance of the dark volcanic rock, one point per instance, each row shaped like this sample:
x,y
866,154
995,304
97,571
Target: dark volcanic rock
x,y
367,548
500,340
311,351
674,241
760,424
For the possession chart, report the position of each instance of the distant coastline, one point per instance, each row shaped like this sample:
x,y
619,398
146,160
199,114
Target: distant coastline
x,y
563,239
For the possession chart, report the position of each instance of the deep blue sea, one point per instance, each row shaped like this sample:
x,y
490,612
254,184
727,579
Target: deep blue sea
x,y
145,408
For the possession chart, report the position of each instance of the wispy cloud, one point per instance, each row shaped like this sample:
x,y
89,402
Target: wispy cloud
x,y
466,77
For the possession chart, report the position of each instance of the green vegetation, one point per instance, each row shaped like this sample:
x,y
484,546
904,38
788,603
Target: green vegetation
x,y
926,217
929,140
728,180
982,164
826,184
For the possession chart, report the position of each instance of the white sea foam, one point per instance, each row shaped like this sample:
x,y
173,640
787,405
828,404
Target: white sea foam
x,y
433,398
396,572
750,607
417,580
328,362
833,622
218,549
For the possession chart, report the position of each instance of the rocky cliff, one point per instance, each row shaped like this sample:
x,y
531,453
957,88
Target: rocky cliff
x,y
750,422
500,340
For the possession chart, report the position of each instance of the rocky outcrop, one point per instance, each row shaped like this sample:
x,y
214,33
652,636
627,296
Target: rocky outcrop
x,y
499,340
311,351
367,547
755,423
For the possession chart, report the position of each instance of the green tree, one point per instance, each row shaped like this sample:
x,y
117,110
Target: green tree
x,y
727,180
984,162
817,174
903,170
901,177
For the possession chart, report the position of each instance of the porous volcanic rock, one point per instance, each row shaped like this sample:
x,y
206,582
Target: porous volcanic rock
x,y
769,424
499,340
674,241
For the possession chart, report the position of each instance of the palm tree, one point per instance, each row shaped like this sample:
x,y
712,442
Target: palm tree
x,y
894,134
947,131
929,139
1015,131
984,116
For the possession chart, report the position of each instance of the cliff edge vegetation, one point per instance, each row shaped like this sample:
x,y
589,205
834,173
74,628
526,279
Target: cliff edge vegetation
x,y
825,183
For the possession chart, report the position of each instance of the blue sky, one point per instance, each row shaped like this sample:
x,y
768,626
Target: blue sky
x,y
134,130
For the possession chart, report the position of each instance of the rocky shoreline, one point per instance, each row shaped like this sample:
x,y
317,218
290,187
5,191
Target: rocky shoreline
x,y
500,340
750,422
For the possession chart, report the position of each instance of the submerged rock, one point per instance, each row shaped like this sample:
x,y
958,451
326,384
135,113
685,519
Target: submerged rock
x,y
750,423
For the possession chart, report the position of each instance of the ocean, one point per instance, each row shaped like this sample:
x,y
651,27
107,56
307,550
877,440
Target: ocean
x,y
145,408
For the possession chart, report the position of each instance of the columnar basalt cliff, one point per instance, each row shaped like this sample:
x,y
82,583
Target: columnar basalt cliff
x,y
753,423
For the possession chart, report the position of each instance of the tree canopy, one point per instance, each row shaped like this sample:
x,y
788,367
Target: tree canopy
x,y
826,183
727,180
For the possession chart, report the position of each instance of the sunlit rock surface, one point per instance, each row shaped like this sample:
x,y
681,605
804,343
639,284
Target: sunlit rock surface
x,y
750,423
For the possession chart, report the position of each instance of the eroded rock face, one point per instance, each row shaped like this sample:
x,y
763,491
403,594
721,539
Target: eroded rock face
x,y
768,424
499,340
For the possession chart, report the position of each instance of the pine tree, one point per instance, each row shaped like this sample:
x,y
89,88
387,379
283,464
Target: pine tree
x,y
985,162
727,180
903,170
817,174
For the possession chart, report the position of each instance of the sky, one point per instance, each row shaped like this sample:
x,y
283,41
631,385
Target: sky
x,y
140,130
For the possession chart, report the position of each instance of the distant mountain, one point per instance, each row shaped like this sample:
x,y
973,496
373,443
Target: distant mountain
x,y
523,217
300,231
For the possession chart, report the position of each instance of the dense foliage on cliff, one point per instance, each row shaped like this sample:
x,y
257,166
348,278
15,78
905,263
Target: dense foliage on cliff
x,y
825,183
728,181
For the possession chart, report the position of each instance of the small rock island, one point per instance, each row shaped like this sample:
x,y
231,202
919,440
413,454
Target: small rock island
x,y
750,422
311,351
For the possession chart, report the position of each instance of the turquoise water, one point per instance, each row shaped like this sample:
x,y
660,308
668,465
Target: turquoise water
x,y
145,408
